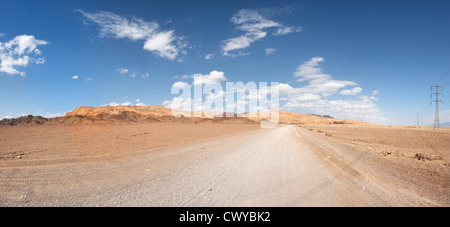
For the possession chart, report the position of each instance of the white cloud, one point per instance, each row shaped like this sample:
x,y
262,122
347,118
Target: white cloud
x,y
209,56
180,84
117,104
7,117
161,43
287,30
254,24
179,103
122,71
133,74
89,79
182,77
17,52
53,115
270,51
353,91
40,61
375,92
126,104
75,77
113,24
319,82
138,103
316,95
188,104
212,77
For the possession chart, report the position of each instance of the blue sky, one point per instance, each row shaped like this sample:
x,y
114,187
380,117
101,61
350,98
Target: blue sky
x,y
365,60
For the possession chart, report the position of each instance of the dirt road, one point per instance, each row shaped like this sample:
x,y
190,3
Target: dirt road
x,y
285,166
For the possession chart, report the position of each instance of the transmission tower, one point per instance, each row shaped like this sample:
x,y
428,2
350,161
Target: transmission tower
x,y
437,101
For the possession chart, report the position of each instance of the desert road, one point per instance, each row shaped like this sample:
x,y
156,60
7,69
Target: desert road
x,y
284,166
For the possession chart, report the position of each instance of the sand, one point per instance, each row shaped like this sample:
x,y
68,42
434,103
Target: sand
x,y
68,143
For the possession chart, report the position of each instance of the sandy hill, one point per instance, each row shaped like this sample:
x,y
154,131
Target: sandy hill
x,y
155,113
286,117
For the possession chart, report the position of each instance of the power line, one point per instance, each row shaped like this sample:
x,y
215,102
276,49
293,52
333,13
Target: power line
x,y
447,84
443,76
446,97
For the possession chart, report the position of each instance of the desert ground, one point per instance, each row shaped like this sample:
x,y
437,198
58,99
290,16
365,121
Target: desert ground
x,y
214,164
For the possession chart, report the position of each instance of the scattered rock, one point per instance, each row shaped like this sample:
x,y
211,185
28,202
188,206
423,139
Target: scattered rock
x,y
202,147
421,157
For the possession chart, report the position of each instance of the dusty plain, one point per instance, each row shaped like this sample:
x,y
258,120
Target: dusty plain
x,y
180,164
46,144
417,158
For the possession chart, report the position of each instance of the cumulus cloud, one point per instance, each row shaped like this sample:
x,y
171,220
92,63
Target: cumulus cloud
x,y
89,79
179,103
319,82
316,92
138,102
75,77
17,53
180,84
186,102
212,77
53,115
353,91
117,104
255,26
161,43
317,95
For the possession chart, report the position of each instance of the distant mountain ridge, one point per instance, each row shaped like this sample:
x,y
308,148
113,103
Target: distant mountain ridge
x,y
155,113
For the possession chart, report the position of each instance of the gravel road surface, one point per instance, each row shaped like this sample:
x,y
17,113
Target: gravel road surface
x,y
285,166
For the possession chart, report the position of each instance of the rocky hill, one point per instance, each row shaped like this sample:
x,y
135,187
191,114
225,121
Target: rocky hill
x,y
154,113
